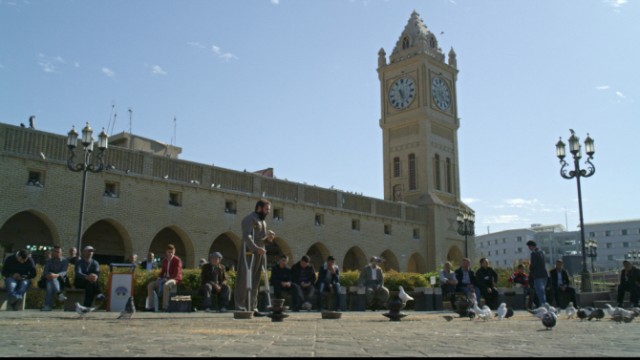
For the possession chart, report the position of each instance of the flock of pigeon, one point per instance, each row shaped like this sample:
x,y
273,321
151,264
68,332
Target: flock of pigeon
x,y
127,313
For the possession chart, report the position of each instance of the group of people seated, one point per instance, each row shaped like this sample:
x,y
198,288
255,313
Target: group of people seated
x,y
481,283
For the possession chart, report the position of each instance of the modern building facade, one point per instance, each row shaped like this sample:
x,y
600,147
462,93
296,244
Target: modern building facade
x,y
147,197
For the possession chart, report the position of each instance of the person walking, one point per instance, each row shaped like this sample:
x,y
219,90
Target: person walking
x,y
251,259
538,272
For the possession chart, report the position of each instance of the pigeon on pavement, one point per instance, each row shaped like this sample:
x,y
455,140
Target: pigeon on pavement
x,y
129,309
448,317
549,320
539,312
570,311
597,314
83,310
610,309
502,311
403,295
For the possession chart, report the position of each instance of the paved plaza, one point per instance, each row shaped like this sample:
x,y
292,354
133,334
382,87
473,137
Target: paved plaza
x,y
305,334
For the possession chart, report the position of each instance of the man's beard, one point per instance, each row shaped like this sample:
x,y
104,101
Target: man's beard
x,y
261,215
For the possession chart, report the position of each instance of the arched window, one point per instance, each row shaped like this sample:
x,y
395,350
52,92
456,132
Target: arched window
x,y
405,42
436,171
396,167
412,172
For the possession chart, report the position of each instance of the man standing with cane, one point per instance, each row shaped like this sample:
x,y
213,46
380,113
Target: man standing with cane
x,y
252,258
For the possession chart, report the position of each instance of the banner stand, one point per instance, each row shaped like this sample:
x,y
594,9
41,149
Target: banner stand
x,y
120,285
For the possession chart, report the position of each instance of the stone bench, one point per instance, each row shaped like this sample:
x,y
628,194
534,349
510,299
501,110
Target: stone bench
x,y
4,301
73,296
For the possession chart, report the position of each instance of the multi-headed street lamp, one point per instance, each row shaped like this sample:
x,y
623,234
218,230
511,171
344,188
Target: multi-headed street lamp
x,y
592,252
465,228
577,173
85,166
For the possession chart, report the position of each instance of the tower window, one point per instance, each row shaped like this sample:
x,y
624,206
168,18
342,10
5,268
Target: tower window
x,y
36,178
355,224
396,167
448,174
110,189
175,198
412,172
319,219
278,214
230,207
436,171
387,229
416,233
405,42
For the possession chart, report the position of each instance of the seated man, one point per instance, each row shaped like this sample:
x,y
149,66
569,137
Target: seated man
x,y
629,281
168,280
214,281
467,281
18,270
372,278
54,274
329,281
281,277
87,274
487,278
520,279
149,263
303,276
559,283
448,283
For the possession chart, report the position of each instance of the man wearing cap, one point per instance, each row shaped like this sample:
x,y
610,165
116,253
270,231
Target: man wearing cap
x,y
214,281
252,258
87,273
329,280
18,270
303,276
372,278
560,282
538,272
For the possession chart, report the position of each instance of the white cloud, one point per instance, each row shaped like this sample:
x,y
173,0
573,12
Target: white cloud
x,y
228,56
60,59
108,72
224,56
621,95
46,63
616,3
603,87
156,69
275,2
196,44
215,49
470,201
503,219
519,203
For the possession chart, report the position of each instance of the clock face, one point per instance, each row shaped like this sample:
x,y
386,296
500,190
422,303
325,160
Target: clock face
x,y
402,93
440,92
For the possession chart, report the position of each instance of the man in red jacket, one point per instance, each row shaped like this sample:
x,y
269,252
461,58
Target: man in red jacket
x,y
169,278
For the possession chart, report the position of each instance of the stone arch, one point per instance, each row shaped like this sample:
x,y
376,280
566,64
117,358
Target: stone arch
x,y
318,253
390,261
455,255
110,239
228,244
29,227
416,264
275,249
179,238
354,259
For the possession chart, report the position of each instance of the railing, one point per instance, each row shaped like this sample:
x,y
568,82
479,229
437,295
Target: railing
x,y
605,281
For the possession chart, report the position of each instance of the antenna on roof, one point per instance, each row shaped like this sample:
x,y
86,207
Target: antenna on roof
x,y
130,112
110,115
173,138
115,115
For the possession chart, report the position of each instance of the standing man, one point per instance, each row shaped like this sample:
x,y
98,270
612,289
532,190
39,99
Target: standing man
x,y
303,276
329,281
214,283
629,281
55,272
252,256
18,270
372,278
538,272
560,285
87,273
168,280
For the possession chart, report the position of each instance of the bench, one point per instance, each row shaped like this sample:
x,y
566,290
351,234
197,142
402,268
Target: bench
x,y
73,296
4,301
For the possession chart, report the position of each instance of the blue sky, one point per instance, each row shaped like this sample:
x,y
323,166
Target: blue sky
x,y
292,85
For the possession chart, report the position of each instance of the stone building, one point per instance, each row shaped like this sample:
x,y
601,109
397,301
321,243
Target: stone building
x,y
147,197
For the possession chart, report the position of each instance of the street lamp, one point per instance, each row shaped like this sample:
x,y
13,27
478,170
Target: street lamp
x,y
577,173
465,227
592,247
85,166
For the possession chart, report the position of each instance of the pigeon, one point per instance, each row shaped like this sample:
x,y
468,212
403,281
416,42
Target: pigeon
x,y
129,309
502,311
570,311
448,317
610,309
83,310
551,308
484,313
584,313
549,320
597,314
403,295
539,312
509,313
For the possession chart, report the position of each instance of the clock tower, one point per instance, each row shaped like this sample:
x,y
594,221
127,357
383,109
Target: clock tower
x,y
419,124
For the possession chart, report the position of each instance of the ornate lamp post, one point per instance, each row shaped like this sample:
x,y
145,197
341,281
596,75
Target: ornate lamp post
x,y
592,252
577,173
85,166
465,228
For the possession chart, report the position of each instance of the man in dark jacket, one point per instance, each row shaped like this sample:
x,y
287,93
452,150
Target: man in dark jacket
x,y
214,282
629,281
487,278
304,278
560,285
467,280
281,277
329,280
537,272
18,270
87,273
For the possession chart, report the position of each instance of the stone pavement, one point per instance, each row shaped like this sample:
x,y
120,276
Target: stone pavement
x,y
305,334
